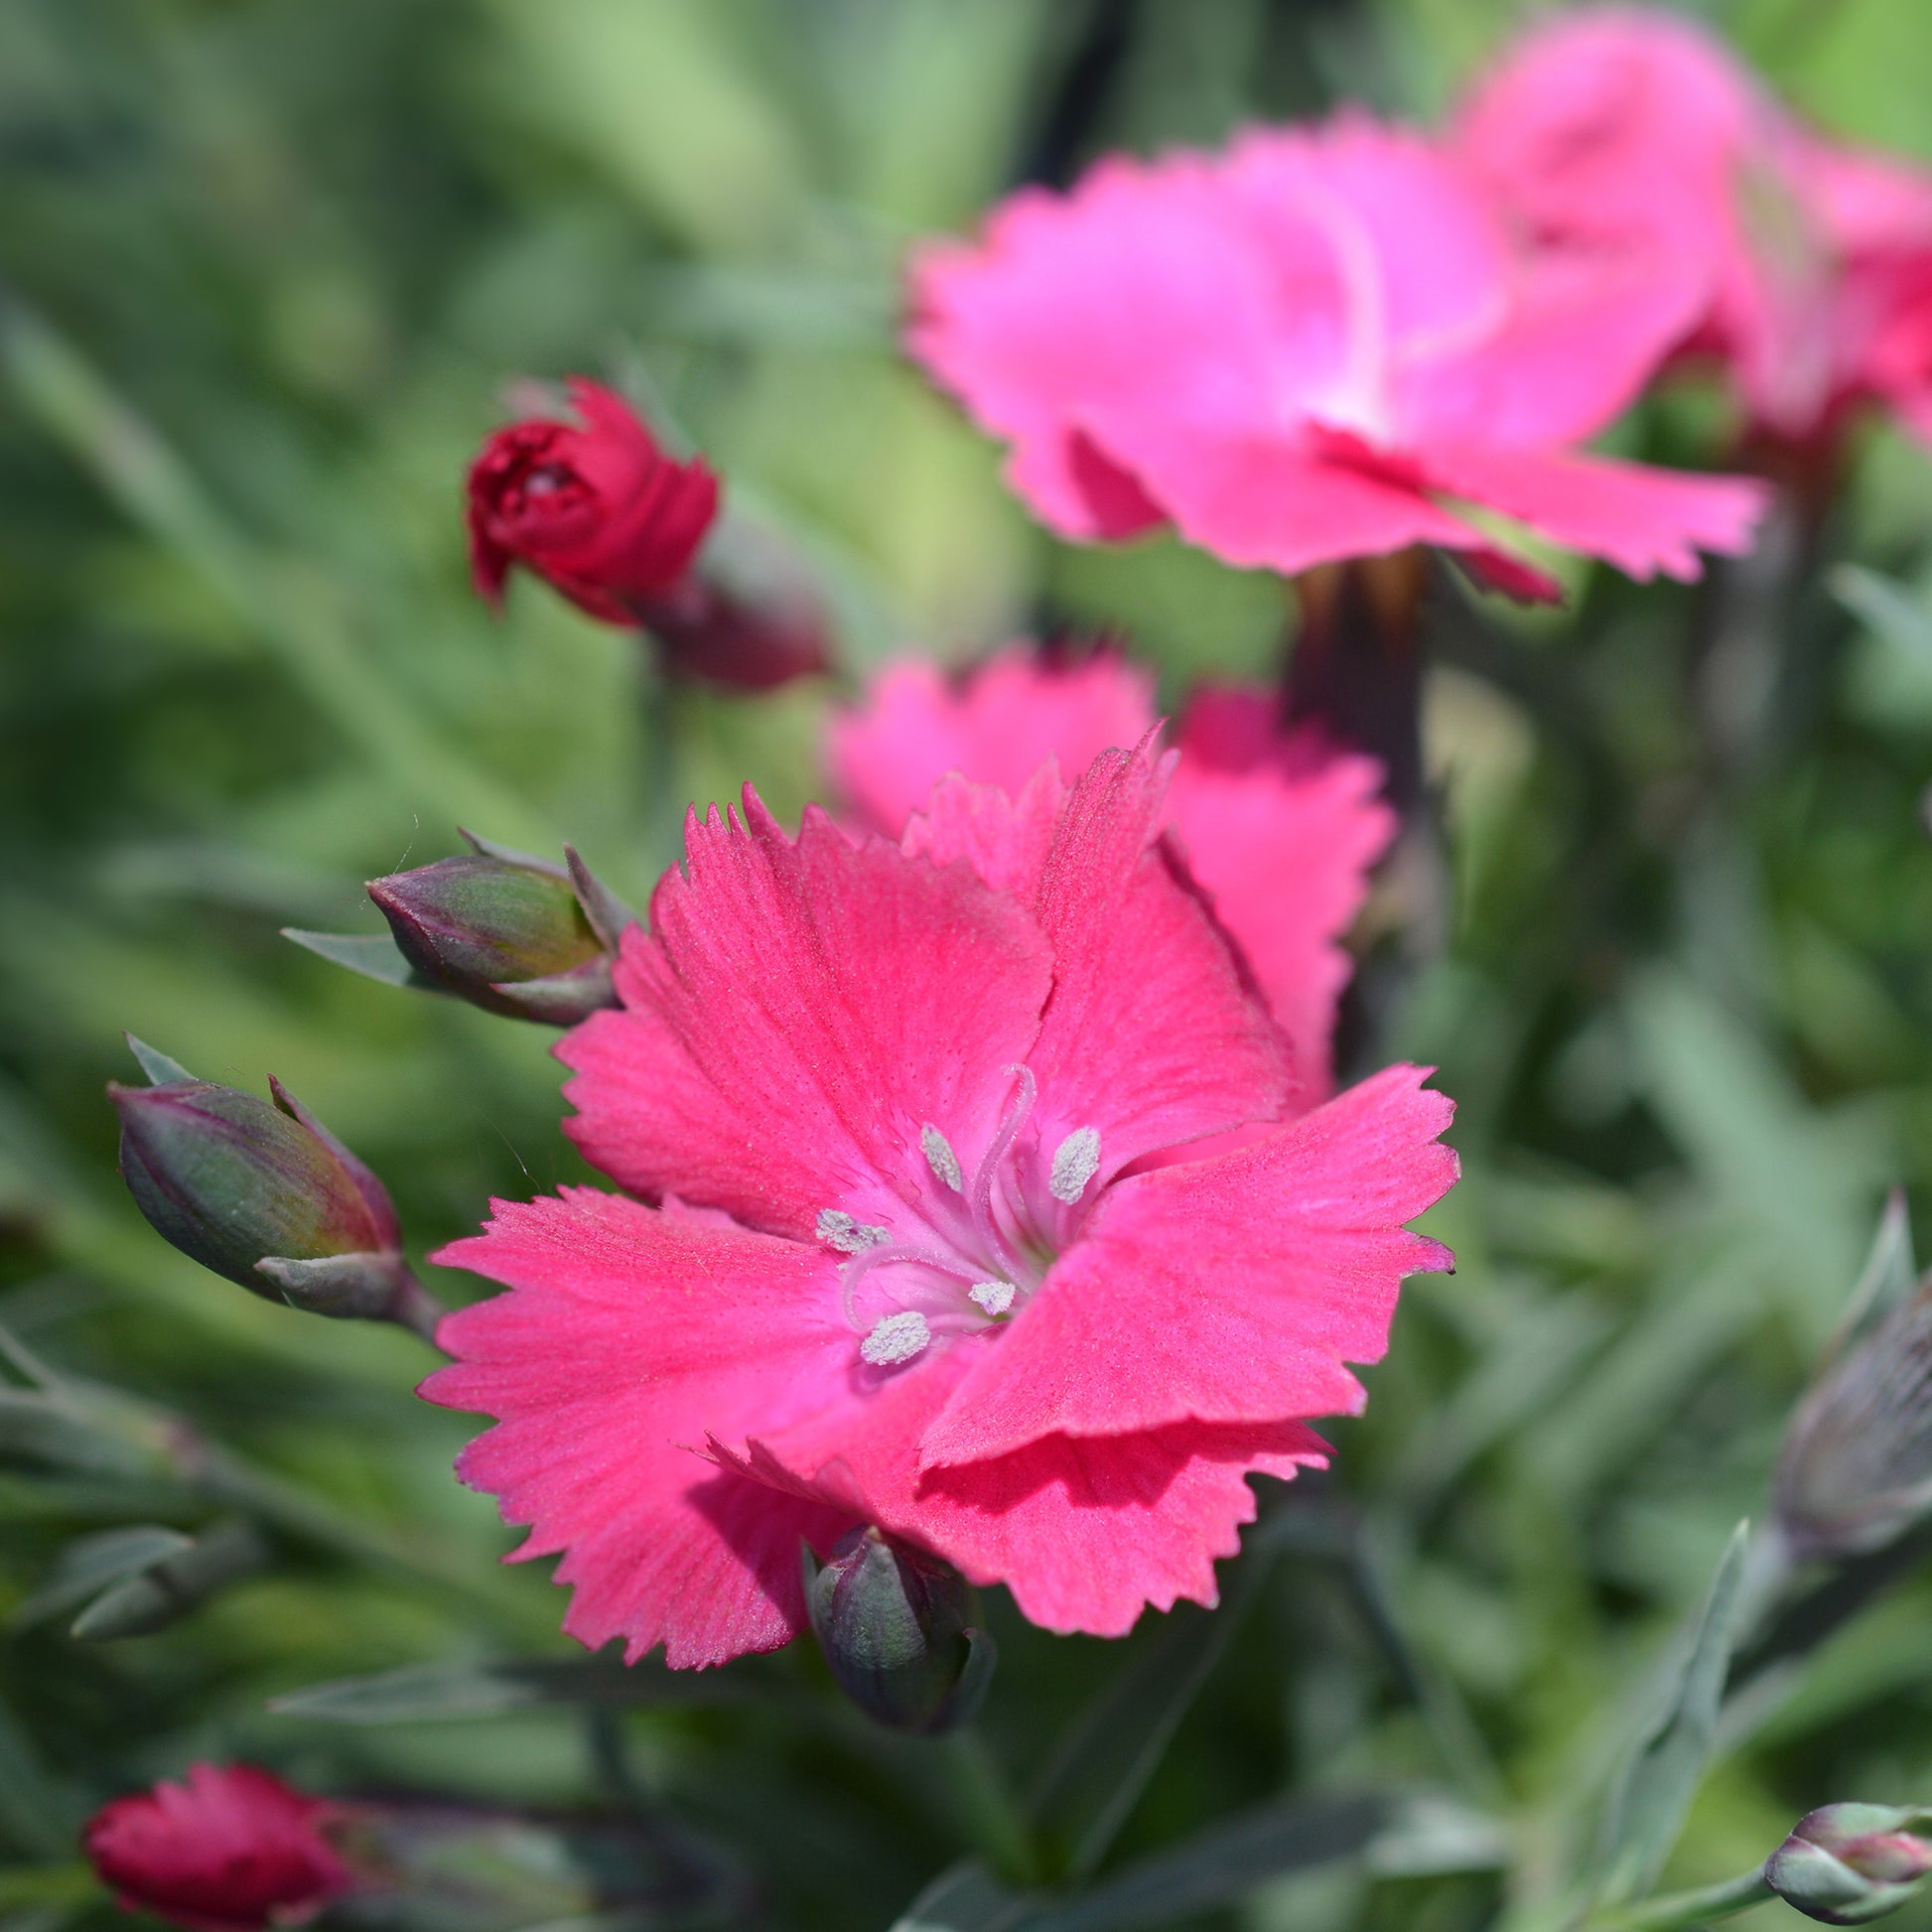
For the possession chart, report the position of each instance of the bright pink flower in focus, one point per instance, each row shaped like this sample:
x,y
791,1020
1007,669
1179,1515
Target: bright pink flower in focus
x,y
232,1850
1806,265
1312,346
909,1264
1279,833
597,510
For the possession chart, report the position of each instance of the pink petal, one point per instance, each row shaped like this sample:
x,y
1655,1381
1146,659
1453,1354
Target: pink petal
x,y
795,1012
1284,861
1228,1290
629,1337
1264,502
1085,1534
1642,519
1135,288
997,727
1151,1035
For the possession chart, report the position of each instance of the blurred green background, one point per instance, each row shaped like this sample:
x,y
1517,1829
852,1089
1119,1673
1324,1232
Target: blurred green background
x,y
266,269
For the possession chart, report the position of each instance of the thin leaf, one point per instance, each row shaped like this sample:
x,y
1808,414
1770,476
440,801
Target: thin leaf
x,y
1646,1810
160,1069
488,1687
1894,613
376,955
40,1429
1093,1780
1889,1273
967,1898
165,1590
92,1563
1224,1863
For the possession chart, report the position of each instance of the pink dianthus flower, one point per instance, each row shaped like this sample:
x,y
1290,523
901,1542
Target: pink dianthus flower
x,y
1279,832
1804,264
1315,346
909,1263
230,1850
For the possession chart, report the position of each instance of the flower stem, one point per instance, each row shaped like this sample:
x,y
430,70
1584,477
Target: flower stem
x,y
993,1820
1674,1909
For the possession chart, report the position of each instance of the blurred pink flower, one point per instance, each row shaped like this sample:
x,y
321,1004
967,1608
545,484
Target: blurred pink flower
x,y
1805,265
1317,345
909,1266
1279,833
231,1850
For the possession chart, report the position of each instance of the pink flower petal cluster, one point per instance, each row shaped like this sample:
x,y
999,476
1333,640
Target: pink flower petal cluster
x,y
1279,832
904,1254
1320,344
231,1850
1804,264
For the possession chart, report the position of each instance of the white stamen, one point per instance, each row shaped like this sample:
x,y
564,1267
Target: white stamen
x,y
895,1339
941,1159
837,1229
994,1297
1075,1162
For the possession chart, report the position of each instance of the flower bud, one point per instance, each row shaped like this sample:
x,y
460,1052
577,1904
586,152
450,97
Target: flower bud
x,y
264,1196
595,508
1847,1864
1856,1467
230,1850
896,1627
507,932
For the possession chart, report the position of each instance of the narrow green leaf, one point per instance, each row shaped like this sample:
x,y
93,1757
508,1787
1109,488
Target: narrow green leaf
x,y
491,1687
1093,1781
376,955
1646,1810
1894,613
1224,1863
967,1898
40,1429
92,1563
160,1069
1889,1273
162,1591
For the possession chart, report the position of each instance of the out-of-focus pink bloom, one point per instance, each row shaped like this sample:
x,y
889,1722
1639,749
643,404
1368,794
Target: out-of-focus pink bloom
x,y
908,1265
231,1850
1279,833
1805,265
1312,346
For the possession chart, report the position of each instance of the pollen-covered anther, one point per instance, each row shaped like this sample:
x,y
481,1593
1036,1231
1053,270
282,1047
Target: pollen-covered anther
x,y
995,1297
1075,1162
896,1338
838,1229
941,1159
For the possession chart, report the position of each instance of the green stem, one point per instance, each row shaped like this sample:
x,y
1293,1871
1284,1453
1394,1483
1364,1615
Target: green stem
x,y
156,490
993,1818
1676,1909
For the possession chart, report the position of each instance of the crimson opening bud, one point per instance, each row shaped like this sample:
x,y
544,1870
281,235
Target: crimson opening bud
x,y
232,1848
897,1627
596,507
510,933
1848,1864
264,1196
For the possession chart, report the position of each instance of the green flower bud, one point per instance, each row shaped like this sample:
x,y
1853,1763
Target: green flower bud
x,y
264,1196
510,933
896,1629
1848,1864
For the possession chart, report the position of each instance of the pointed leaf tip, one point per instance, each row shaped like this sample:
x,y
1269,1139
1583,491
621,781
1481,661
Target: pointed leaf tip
x,y
376,955
160,1069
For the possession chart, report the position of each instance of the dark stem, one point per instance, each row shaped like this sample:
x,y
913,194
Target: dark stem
x,y
416,1308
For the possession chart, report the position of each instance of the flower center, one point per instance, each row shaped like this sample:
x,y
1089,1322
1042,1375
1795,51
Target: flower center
x,y
975,1245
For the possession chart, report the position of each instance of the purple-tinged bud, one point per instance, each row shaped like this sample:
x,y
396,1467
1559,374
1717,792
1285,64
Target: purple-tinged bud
x,y
897,1627
264,1196
1856,1468
510,933
1848,1864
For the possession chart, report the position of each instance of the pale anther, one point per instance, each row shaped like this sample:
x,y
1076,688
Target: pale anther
x,y
897,1338
1075,1162
837,1229
941,1159
994,1297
